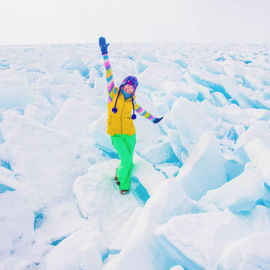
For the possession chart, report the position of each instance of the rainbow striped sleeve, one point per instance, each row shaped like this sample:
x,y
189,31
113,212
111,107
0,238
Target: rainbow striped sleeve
x,y
109,77
143,112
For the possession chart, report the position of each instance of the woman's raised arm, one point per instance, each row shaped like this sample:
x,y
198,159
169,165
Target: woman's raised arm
x,y
109,76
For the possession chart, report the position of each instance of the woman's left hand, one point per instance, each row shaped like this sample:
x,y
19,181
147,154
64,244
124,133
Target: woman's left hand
x,y
157,120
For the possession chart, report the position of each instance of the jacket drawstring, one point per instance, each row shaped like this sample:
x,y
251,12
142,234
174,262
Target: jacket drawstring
x,y
114,109
133,116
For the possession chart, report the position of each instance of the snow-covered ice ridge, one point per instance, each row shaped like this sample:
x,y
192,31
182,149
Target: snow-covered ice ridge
x,y
201,184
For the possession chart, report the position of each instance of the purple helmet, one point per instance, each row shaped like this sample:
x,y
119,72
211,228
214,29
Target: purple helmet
x,y
132,80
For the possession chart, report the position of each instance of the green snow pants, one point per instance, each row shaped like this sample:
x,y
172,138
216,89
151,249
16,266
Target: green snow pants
x,y
124,146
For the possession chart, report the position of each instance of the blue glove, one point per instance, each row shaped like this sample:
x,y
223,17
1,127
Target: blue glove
x,y
103,45
157,120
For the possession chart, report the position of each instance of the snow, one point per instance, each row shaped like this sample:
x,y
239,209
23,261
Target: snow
x,y
177,267
249,190
204,236
15,93
84,248
259,152
76,64
198,175
160,153
97,196
200,193
251,252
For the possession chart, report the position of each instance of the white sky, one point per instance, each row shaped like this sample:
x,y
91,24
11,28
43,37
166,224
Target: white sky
x,y
79,21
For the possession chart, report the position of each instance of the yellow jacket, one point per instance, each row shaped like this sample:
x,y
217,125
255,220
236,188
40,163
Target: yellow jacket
x,y
120,122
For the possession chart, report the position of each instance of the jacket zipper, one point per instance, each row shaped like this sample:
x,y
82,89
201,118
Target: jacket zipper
x,y
122,117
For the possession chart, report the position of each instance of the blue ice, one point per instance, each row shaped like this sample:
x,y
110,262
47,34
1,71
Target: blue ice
x,y
254,103
4,66
39,218
233,169
245,207
200,97
35,70
58,241
241,153
1,137
181,63
141,67
91,84
161,153
99,69
232,135
150,57
77,64
138,190
105,255
222,58
214,88
264,202
4,163
167,255
233,57
246,83
107,151
4,188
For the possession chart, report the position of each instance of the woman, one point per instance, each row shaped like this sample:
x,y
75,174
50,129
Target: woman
x,y
120,126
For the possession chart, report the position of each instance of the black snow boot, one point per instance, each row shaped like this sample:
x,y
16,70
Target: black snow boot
x,y
116,180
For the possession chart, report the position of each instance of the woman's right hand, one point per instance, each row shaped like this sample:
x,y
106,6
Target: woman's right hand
x,y
103,45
